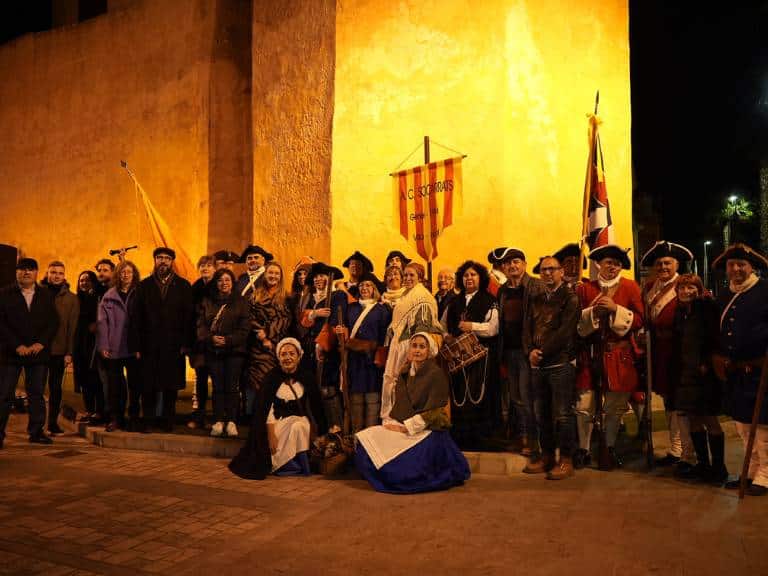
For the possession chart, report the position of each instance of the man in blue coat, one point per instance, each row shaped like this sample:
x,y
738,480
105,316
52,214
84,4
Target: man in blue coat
x,y
743,344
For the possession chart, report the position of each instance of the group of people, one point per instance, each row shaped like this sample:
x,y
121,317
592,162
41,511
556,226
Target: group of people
x,y
494,353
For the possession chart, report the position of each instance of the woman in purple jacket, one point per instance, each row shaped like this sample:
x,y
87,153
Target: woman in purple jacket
x,y
119,359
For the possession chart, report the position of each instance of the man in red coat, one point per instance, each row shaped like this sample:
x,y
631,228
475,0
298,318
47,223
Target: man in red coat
x,y
611,311
660,299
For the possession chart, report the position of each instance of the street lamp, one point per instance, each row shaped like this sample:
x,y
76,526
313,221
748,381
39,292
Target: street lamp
x,y
706,265
732,198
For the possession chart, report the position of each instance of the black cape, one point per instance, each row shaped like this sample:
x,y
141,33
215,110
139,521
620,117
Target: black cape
x,y
254,461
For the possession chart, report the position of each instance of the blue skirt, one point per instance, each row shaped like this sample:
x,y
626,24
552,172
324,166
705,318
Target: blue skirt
x,y
298,466
435,463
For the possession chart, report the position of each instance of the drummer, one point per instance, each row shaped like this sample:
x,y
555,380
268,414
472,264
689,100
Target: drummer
x,y
474,390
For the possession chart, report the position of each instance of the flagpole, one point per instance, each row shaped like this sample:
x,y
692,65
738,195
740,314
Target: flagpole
x,y
429,262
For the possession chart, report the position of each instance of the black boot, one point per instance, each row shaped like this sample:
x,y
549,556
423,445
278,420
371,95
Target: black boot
x,y
702,469
718,472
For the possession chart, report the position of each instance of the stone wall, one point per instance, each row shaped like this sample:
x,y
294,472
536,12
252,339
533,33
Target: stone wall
x,y
509,83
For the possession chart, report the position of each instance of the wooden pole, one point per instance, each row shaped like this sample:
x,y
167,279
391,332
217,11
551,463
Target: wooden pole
x,y
761,390
429,264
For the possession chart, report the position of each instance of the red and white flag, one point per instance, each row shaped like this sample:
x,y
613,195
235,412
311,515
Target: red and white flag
x,y
427,198
597,228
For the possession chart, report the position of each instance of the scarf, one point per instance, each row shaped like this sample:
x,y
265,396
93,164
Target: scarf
x,y
608,284
415,307
744,286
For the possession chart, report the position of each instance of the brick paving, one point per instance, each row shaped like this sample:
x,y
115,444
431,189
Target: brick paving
x,y
74,508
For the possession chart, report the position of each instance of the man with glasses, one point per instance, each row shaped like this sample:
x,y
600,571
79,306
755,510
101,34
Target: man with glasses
x,y
549,334
28,323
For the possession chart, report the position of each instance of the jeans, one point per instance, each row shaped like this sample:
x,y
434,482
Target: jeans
x,y
225,372
55,378
553,405
516,392
201,390
34,383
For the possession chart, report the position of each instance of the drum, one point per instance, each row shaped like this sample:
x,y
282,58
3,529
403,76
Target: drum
x,y
460,352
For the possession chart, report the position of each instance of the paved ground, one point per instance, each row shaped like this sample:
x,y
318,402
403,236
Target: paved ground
x,y
75,508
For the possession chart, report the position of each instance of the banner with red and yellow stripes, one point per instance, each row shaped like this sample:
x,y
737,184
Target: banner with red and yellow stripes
x,y
427,198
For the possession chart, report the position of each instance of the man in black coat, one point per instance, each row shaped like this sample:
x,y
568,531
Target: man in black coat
x,y
28,323
162,326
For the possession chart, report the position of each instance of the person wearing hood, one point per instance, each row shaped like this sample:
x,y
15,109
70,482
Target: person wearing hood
x,y
288,416
223,323
63,344
412,451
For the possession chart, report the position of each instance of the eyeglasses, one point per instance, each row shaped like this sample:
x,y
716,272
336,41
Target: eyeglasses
x,y
550,269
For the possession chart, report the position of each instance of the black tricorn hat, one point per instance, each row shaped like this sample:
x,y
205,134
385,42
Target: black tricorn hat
x,y
255,249
164,250
612,251
498,255
367,264
371,277
741,251
226,256
323,268
403,258
564,252
664,249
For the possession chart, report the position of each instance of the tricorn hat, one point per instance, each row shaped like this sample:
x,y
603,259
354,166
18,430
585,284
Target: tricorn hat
x,y
359,256
612,251
305,262
322,268
564,252
498,255
664,249
741,251
403,258
255,249
226,256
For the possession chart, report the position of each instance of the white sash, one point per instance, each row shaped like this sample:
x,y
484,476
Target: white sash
x,y
360,319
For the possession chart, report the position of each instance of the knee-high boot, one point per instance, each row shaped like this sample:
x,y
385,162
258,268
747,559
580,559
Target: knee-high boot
x,y
701,470
718,473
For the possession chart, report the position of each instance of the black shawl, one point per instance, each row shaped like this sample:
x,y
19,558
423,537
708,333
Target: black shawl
x,y
426,390
254,460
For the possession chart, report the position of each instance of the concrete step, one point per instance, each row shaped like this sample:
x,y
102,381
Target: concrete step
x,y
490,463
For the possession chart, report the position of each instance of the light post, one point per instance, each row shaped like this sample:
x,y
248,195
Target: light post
x,y
731,211
706,264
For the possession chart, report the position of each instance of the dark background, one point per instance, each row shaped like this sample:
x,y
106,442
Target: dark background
x,y
699,74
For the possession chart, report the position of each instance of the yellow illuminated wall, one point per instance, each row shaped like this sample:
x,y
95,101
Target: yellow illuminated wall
x,y
508,83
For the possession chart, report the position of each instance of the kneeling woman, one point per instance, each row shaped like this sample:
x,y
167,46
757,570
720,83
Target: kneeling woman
x,y
287,417
412,451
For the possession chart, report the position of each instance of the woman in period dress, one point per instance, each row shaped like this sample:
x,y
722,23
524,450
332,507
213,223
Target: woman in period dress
x,y
287,417
412,451
416,310
474,388
365,327
393,280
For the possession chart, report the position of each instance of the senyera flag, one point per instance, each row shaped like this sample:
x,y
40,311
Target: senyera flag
x,y
427,199
597,228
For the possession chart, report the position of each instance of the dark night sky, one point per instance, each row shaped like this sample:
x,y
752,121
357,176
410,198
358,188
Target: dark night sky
x,y
699,103
699,110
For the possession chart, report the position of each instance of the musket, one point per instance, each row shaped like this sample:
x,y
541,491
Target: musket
x,y
647,420
761,390
598,385
321,360
347,426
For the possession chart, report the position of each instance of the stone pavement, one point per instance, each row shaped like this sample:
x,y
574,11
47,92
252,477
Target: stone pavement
x,y
75,508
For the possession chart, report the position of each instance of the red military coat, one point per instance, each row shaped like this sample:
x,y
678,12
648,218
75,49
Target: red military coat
x,y
660,313
619,353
